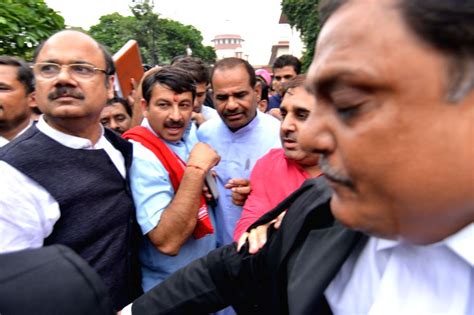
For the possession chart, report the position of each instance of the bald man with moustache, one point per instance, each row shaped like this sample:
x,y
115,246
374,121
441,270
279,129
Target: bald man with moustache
x,y
65,180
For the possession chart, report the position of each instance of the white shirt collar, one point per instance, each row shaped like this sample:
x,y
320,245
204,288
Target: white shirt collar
x,y
460,243
24,129
67,140
3,141
74,142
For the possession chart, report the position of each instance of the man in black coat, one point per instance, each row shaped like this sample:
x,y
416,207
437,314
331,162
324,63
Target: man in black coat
x,y
256,284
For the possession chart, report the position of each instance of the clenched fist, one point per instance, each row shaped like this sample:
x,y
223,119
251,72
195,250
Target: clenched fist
x,y
203,156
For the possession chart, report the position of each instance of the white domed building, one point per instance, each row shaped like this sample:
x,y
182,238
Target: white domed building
x,y
229,45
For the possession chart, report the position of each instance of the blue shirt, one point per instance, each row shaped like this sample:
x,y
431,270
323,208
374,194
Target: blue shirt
x,y
239,151
274,101
152,193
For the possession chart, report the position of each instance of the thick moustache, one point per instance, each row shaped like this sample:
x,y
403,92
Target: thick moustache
x,y
174,124
333,175
65,92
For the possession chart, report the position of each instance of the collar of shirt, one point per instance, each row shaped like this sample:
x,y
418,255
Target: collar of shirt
x,y
459,243
67,140
4,141
74,142
247,128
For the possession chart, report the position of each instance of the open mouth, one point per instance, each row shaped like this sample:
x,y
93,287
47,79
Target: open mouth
x,y
173,130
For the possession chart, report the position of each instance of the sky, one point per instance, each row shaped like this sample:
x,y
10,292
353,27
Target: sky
x,y
256,21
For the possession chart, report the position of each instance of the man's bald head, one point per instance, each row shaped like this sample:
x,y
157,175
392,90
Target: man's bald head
x,y
71,34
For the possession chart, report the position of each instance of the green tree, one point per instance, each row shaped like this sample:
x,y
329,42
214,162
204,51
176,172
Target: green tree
x,y
24,24
303,15
113,30
159,39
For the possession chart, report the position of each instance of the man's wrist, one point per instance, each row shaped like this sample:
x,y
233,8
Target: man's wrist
x,y
196,167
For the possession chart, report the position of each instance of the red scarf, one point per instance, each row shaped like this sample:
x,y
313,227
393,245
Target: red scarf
x,y
175,168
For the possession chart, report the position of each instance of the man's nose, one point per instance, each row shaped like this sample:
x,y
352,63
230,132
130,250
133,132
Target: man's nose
x,y
175,113
232,103
287,124
113,124
64,75
316,135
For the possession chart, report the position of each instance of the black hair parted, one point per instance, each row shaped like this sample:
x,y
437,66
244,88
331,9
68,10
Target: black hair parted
x,y
198,68
177,79
287,60
121,100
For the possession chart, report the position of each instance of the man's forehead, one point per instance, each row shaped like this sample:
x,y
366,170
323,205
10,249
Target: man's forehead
x,y
238,71
298,99
117,106
285,70
350,43
73,46
8,72
359,18
161,91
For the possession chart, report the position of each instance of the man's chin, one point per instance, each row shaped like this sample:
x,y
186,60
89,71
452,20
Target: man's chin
x,y
172,137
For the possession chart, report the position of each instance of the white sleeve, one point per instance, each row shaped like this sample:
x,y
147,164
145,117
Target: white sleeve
x,y
27,211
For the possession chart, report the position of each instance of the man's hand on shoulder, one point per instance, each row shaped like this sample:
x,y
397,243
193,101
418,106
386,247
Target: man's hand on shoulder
x,y
257,237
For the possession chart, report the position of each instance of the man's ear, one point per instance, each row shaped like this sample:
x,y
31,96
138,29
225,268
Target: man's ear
x,y
110,88
144,107
31,99
258,90
262,106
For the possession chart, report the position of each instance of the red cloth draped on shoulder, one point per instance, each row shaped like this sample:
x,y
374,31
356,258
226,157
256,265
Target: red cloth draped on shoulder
x,y
175,168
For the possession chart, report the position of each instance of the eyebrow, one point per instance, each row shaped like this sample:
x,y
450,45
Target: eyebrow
x,y
160,99
68,63
232,94
354,76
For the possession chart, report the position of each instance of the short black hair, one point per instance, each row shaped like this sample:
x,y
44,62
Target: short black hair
x,y
287,60
24,73
297,81
447,26
195,66
177,79
122,101
233,62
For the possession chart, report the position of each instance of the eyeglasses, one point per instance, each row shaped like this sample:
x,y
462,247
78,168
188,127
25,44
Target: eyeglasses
x,y
48,70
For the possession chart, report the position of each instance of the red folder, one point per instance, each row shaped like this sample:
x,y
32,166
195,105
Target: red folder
x,y
128,64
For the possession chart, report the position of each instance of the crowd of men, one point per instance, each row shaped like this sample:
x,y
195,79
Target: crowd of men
x,y
350,192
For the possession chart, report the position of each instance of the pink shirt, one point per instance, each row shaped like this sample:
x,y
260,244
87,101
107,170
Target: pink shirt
x,y
273,178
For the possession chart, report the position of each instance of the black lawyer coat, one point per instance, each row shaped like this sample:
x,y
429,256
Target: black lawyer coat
x,y
287,276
